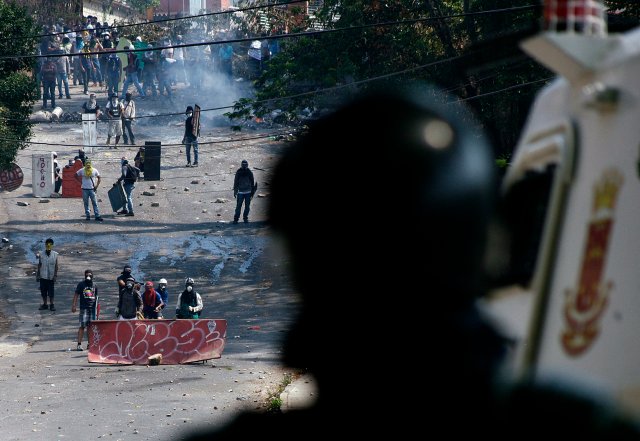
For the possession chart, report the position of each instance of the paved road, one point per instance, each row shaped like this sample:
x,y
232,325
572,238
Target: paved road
x,y
52,393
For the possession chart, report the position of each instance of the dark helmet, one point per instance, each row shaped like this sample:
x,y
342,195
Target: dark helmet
x,y
189,109
188,282
428,157
114,95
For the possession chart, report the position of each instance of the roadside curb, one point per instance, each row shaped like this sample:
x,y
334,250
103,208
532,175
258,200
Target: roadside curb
x,y
300,394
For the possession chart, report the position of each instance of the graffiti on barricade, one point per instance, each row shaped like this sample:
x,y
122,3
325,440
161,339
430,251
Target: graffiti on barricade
x,y
134,341
12,178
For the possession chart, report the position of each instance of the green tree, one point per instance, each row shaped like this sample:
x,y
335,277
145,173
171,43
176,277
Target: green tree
x,y
143,5
463,47
18,88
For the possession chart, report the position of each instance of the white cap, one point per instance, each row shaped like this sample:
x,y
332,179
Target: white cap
x,y
163,281
55,155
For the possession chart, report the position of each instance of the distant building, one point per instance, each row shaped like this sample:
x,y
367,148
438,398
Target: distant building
x,y
118,10
191,7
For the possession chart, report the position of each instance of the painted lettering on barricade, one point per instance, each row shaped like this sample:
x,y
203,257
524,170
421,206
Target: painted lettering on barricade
x,y
134,341
12,178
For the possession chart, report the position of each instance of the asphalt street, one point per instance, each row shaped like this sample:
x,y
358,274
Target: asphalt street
x,y
182,228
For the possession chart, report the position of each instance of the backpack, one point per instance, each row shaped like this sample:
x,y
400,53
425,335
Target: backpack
x,y
133,173
49,71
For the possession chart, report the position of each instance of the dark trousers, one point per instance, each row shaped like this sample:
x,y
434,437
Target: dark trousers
x,y
49,93
240,198
46,289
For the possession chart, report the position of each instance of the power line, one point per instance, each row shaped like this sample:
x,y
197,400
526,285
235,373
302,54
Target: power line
x,y
515,86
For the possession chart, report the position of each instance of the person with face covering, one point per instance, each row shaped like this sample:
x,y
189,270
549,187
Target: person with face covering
x,y
164,294
87,293
189,304
92,106
129,301
90,179
47,273
124,276
244,188
115,110
438,168
151,301
190,138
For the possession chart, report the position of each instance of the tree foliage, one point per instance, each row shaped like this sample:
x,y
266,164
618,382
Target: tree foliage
x,y
142,5
18,88
462,47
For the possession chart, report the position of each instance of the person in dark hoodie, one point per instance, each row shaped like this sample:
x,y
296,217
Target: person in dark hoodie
x,y
87,293
244,187
360,290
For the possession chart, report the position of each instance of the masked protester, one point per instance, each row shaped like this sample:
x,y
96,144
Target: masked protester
x,y
124,275
129,301
189,304
90,179
47,273
151,301
114,114
190,138
87,293
92,106
164,294
244,187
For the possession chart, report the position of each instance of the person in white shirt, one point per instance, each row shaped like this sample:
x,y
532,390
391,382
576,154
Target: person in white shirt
x,y
90,178
128,116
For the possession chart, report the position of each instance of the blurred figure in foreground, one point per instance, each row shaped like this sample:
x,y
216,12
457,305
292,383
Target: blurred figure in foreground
x,y
360,291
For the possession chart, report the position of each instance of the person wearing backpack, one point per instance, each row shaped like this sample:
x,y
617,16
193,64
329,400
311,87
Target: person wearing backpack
x,y
87,293
129,177
49,73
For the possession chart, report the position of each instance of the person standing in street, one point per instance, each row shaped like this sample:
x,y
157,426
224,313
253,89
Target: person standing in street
x,y
114,115
47,274
190,139
151,301
189,305
164,294
49,72
128,116
129,177
87,293
57,174
92,106
129,301
124,276
90,179
244,187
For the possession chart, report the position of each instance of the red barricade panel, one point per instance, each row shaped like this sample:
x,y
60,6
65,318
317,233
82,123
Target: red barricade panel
x,y
71,187
134,341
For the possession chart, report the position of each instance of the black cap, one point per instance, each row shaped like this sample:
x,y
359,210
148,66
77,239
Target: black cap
x,y
189,108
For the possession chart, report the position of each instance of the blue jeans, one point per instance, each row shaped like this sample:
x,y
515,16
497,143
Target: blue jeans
x,y
128,189
240,198
86,195
126,128
195,151
49,93
63,79
131,78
